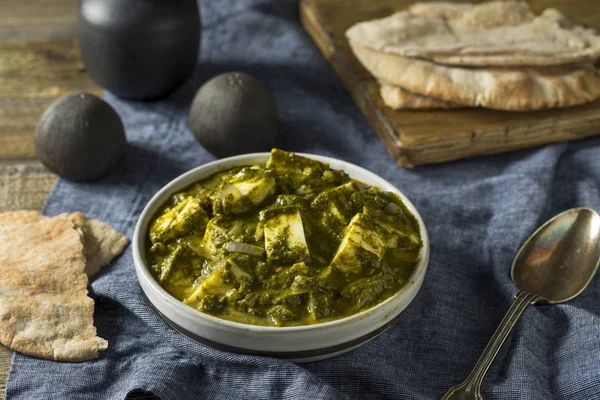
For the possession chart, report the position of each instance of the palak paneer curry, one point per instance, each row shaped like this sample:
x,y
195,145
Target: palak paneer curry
x,y
292,242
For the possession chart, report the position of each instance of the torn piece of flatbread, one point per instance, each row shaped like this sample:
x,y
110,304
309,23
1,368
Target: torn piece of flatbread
x,y
44,308
19,217
101,242
448,10
496,33
497,88
400,99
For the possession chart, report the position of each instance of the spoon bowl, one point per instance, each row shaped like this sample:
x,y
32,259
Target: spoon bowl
x,y
560,259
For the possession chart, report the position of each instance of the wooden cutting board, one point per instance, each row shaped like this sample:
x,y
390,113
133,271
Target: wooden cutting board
x,y
425,137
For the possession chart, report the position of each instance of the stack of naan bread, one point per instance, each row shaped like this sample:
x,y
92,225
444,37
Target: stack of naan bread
x,y
497,55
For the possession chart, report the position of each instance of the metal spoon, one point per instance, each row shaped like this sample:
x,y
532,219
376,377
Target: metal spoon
x,y
555,264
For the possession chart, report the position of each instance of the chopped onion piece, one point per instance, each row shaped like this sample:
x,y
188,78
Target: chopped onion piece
x,y
236,230
237,271
244,248
259,233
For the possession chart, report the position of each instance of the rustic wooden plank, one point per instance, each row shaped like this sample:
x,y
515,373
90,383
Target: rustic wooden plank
x,y
33,73
22,186
18,120
41,69
5,360
423,137
39,62
38,18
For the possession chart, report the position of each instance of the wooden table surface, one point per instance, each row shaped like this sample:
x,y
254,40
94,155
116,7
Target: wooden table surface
x,y
39,62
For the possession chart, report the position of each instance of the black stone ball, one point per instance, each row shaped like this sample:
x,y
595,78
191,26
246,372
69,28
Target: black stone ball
x,y
80,137
233,113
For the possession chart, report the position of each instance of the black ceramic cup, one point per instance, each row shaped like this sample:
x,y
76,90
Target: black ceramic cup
x,y
139,49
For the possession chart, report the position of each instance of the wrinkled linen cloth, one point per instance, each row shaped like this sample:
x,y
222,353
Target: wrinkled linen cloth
x,y
478,212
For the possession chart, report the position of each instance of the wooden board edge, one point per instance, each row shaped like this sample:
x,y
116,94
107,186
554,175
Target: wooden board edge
x,y
6,356
343,67
555,130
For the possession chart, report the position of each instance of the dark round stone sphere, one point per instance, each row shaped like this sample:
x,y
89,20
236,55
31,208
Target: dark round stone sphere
x,y
80,137
232,114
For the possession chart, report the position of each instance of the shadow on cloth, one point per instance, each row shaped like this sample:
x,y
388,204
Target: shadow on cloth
x,y
278,78
143,161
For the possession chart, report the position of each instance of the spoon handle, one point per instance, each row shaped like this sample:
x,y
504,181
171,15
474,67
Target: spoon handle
x,y
470,388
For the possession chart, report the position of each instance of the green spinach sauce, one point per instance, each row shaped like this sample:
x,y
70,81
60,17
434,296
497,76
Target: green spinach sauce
x,y
289,243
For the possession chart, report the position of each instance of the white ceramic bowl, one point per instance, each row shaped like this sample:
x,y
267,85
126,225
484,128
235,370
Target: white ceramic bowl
x,y
298,343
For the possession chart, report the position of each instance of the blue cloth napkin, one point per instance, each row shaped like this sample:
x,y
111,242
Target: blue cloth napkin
x,y
478,212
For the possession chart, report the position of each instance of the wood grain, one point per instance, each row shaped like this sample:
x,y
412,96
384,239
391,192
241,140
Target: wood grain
x,y
424,137
23,185
33,73
5,360
41,69
39,62
37,18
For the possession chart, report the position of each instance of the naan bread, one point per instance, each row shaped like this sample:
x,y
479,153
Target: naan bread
x,y
44,308
498,88
497,33
19,217
101,242
448,10
401,99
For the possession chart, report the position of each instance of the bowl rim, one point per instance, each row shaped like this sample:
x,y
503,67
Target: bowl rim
x,y
172,186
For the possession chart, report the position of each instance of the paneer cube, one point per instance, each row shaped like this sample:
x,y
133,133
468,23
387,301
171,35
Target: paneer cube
x,y
286,162
222,280
195,243
401,239
247,189
391,214
284,235
179,221
214,235
302,175
362,247
221,230
334,208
